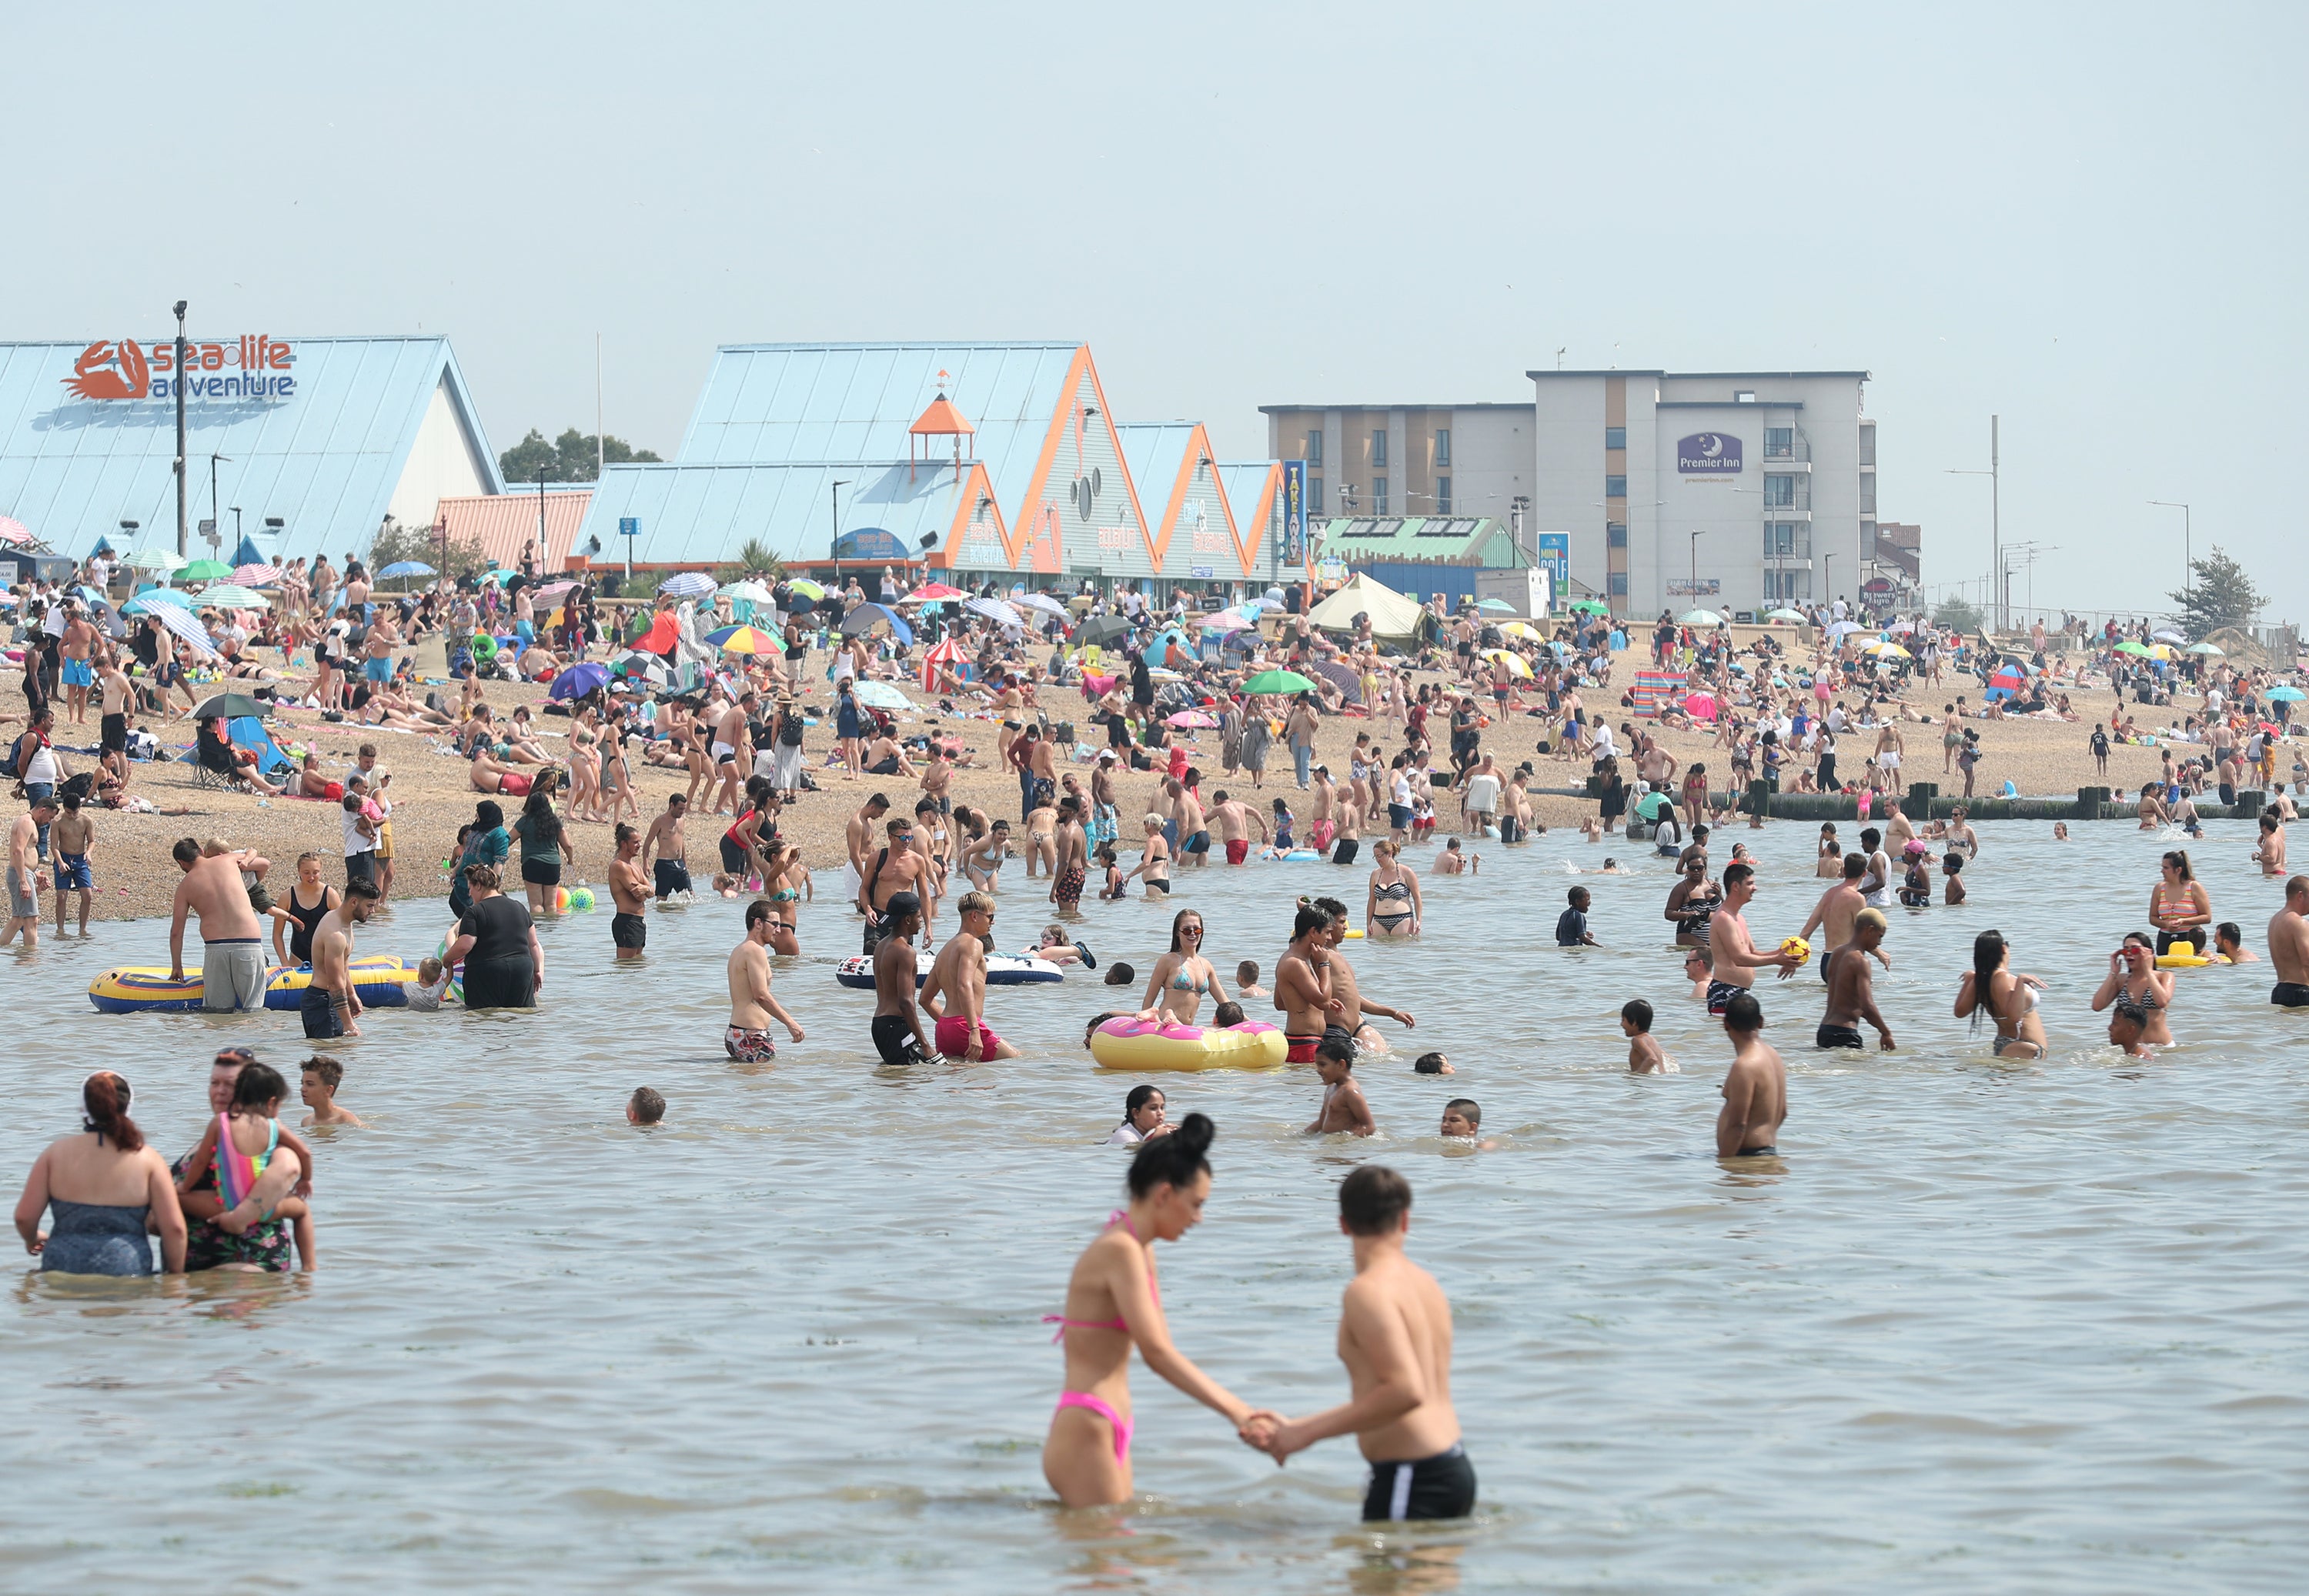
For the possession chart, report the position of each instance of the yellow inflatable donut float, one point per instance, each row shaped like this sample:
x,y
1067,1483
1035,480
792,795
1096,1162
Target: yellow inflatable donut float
x,y
1129,1043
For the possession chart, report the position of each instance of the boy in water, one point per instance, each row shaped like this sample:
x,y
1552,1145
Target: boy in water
x,y
1432,1064
1245,980
1644,1055
1463,1118
647,1107
1228,1013
431,988
1395,1337
1571,926
1953,880
1343,1109
1756,1089
321,1076
71,838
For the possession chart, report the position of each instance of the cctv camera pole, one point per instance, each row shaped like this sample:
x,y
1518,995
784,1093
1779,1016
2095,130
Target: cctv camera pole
x,y
179,385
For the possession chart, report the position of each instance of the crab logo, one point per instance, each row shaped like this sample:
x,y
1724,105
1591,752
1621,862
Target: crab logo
x,y
108,370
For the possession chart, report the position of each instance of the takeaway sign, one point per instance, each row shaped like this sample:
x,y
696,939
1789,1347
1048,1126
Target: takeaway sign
x,y
256,366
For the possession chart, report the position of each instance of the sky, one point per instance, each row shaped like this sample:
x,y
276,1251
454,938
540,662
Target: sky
x,y
2087,220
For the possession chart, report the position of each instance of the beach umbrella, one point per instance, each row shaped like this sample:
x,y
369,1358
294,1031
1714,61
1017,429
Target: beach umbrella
x,y
1784,614
154,559
2205,648
994,609
686,584
1700,617
638,663
2129,647
746,639
551,592
1350,685
1495,607
2163,651
406,568
231,706
2286,695
579,680
1523,629
1190,720
1900,627
1278,681
160,598
945,652
1591,607
933,592
867,616
1885,650
806,588
752,592
204,571
179,620
1699,706
2167,636
1042,603
256,576
880,695
1842,629
1101,629
1516,663
1225,620
13,530
229,596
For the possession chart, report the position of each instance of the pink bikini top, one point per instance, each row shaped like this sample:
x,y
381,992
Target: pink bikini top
x,y
1119,1217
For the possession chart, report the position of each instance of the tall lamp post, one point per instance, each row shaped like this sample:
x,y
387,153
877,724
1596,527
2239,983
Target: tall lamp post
x,y
178,384
1995,529
834,491
1697,534
215,525
2188,560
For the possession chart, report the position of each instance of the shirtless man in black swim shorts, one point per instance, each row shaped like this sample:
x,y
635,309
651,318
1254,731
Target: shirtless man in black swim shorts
x,y
897,1014
1852,987
2288,946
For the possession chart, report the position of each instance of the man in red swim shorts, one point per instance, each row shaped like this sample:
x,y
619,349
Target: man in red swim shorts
x,y
955,989
1233,820
1302,985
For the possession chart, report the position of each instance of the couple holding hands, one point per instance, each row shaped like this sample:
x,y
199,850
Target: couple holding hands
x,y
1395,1338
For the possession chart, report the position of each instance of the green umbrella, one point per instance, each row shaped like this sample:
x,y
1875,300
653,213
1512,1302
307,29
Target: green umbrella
x,y
204,571
1278,681
231,706
2204,648
1496,607
1700,617
225,595
156,559
2129,647
1592,607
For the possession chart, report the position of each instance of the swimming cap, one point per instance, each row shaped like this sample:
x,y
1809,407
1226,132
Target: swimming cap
x,y
901,904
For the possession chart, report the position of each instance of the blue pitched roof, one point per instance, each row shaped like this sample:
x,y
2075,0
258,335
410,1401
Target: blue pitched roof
x,y
697,514
787,402
325,460
1154,451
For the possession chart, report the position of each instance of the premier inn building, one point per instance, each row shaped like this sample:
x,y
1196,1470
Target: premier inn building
x,y
1734,491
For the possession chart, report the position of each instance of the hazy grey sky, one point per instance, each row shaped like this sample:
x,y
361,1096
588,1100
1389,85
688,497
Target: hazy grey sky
x,y
2088,219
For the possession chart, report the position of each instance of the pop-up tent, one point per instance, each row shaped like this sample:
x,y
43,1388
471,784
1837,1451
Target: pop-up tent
x,y
1394,619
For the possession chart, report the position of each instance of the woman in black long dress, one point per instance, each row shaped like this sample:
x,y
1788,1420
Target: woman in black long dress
x,y
497,942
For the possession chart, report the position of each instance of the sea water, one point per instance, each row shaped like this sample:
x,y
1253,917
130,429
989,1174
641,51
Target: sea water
x,y
1988,1325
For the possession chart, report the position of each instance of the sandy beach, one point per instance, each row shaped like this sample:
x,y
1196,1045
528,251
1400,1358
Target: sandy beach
x,y
433,796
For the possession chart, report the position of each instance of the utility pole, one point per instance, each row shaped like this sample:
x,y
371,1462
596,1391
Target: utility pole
x,y
832,549
1995,527
2188,554
178,384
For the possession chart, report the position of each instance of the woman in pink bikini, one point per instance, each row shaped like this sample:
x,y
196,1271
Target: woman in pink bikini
x,y
1113,1302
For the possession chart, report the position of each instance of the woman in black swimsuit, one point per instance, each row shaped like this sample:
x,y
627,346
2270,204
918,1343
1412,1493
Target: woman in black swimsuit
x,y
310,899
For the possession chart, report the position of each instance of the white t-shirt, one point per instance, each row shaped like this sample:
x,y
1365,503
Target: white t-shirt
x,y
1126,1134
354,842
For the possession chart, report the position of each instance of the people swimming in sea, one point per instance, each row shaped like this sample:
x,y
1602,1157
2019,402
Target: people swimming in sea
x,y
319,1078
1645,1055
1344,1108
1245,980
1142,1116
645,1108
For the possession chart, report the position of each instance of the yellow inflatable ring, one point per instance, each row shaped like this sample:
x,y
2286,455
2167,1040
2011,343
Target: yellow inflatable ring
x,y
1133,1044
2183,961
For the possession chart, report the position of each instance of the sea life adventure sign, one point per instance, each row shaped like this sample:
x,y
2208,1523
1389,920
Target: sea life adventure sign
x,y
259,362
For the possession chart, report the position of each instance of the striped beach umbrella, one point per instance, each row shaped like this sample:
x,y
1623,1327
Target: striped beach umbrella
x,y
949,652
686,584
180,621
746,639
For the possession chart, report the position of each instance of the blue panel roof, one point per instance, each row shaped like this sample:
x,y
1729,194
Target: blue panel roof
x,y
325,458
785,402
1154,451
694,514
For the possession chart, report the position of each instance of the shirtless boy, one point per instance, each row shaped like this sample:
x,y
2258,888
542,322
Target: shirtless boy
x,y
321,1076
1344,1108
898,1025
1395,1337
1732,958
1644,1055
1755,1089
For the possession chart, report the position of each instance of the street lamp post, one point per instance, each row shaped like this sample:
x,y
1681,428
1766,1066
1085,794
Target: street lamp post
x,y
2188,559
1995,528
214,524
835,490
1697,534
178,384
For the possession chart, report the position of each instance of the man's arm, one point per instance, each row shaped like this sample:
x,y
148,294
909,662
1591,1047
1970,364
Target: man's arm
x,y
177,931
1396,1386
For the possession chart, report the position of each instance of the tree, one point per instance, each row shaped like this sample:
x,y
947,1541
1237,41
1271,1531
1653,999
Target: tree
x,y
753,560
394,542
1956,614
568,457
2219,594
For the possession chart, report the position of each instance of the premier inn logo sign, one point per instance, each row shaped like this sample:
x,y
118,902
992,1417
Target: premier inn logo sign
x,y
1707,455
256,366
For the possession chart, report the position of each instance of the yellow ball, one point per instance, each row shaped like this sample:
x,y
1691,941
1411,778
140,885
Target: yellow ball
x,y
1799,949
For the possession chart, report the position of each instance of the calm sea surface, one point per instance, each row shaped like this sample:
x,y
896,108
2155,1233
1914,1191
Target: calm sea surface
x,y
1993,1326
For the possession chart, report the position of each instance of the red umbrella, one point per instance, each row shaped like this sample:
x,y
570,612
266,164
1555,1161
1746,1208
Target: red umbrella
x,y
946,653
661,635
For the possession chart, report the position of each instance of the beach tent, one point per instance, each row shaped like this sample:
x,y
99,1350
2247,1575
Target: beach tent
x,y
1394,619
1654,689
248,731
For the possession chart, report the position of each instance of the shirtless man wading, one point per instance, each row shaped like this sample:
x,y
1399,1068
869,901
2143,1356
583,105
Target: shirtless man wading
x,y
1233,820
1755,1089
329,1007
232,951
1071,868
1395,1337
1852,987
897,1024
1832,916
1310,1005
1354,1006
629,889
1731,953
665,851
893,870
955,991
751,1006
2288,946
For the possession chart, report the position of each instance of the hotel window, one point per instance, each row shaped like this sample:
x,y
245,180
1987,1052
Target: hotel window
x,y
1619,584
1314,448
1615,487
1442,445
1868,493
1868,444
1779,442
1787,540
1314,496
1615,437
1616,534
1780,492
1442,495
1379,446
1379,496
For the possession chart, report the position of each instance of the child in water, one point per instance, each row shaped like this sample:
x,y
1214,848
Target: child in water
x,y
1245,980
1432,1064
1228,1013
1916,885
321,1076
1284,820
431,988
1112,890
1463,1121
645,1108
257,1164
1951,880
1344,1107
1644,1055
